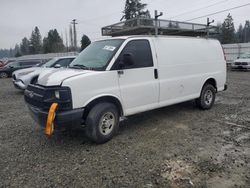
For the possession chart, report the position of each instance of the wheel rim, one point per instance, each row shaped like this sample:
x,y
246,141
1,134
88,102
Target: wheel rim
x,y
107,123
3,75
208,97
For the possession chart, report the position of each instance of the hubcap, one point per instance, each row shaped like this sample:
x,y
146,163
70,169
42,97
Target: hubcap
x,y
3,75
107,123
208,97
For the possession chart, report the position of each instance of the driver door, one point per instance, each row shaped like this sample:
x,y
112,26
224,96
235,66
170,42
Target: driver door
x,y
138,83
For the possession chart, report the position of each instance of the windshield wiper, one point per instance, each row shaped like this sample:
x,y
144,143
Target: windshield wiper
x,y
79,66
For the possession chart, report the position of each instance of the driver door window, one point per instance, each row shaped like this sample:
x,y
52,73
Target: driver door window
x,y
141,54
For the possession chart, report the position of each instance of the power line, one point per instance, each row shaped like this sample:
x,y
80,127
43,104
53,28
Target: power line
x,y
198,9
218,12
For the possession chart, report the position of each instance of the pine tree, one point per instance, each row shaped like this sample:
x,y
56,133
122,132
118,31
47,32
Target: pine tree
x,y
133,9
53,42
85,41
246,32
228,31
17,51
218,36
24,46
35,41
240,34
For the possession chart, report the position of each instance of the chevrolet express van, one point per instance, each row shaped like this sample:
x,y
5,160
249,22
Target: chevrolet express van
x,y
121,76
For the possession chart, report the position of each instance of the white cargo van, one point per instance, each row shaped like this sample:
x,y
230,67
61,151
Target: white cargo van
x,y
122,76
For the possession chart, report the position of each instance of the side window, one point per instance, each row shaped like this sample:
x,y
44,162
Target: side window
x,y
17,64
64,62
28,63
141,53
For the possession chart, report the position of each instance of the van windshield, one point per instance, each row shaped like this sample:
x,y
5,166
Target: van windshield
x,y
97,55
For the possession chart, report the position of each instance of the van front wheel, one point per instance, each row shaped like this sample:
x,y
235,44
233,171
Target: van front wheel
x,y
102,122
207,97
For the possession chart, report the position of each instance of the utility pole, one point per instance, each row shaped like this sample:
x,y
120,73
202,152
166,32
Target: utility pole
x,y
208,24
66,38
74,31
156,22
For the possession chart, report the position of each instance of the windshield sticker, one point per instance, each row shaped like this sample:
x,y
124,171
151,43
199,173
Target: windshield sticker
x,y
110,48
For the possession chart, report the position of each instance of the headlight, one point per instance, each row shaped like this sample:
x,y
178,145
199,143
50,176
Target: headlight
x,y
57,94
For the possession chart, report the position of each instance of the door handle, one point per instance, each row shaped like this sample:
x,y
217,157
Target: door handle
x,y
156,73
120,72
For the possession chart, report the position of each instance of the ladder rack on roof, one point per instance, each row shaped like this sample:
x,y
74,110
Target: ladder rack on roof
x,y
142,26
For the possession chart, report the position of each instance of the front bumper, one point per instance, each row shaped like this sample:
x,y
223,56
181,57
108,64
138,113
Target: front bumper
x,y
19,84
63,119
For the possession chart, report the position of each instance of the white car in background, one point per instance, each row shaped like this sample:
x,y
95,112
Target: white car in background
x,y
242,62
22,78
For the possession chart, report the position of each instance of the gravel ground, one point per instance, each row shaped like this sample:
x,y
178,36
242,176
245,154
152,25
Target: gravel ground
x,y
176,146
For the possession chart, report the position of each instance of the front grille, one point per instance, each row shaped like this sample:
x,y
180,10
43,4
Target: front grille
x,y
34,95
43,97
241,63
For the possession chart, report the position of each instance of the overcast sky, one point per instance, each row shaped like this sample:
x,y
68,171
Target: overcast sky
x,y
19,17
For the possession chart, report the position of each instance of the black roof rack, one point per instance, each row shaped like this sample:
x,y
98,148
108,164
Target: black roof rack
x,y
142,26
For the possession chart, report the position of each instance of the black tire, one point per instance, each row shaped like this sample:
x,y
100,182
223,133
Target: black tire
x,y
102,122
207,97
3,75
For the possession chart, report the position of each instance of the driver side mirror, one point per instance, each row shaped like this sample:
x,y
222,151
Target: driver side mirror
x,y
126,60
57,66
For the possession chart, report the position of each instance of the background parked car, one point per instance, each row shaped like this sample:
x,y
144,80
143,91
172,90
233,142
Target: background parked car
x,y
8,69
243,62
1,63
22,78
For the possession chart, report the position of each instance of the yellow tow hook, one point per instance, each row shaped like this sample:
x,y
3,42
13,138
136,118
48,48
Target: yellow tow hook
x,y
51,116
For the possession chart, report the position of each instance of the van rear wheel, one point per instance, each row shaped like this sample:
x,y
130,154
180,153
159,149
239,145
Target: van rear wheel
x,y
207,97
102,122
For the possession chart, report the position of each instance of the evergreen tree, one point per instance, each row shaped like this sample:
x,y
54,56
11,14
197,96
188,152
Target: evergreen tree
x,y
218,30
246,32
35,41
228,31
17,51
24,46
240,34
53,42
85,41
133,9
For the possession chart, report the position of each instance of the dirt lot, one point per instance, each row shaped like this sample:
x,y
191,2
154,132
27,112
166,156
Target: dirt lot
x,y
176,146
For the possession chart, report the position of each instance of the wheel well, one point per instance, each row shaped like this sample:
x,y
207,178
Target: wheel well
x,y
211,81
110,99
